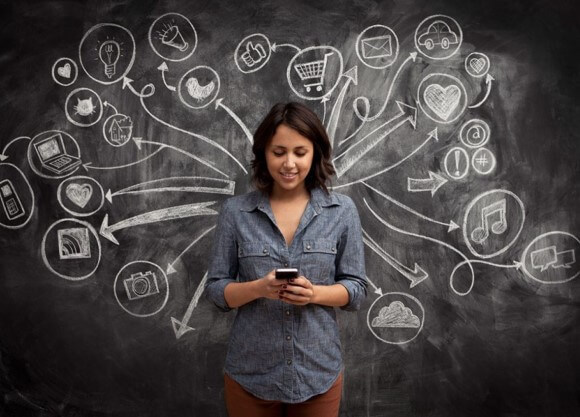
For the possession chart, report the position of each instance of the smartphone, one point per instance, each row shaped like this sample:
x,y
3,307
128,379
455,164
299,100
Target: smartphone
x,y
10,201
286,273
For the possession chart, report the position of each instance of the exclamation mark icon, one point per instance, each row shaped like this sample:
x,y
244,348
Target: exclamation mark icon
x,y
457,173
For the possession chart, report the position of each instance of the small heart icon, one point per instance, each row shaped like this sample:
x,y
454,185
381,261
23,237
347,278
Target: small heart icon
x,y
443,101
64,71
477,64
80,194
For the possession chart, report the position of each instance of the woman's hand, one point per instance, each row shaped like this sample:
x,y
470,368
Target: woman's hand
x,y
269,286
298,291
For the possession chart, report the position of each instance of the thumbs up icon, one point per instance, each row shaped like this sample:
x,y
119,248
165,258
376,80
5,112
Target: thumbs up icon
x,y
253,55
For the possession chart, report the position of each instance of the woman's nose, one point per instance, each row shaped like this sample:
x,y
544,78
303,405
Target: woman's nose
x,y
289,162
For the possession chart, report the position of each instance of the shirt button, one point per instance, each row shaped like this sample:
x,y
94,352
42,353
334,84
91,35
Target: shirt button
x,y
287,312
288,337
265,251
289,361
286,264
308,247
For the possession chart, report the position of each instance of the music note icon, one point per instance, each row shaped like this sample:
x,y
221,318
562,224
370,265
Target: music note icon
x,y
497,209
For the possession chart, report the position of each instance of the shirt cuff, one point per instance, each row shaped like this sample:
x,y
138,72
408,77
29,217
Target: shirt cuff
x,y
355,296
215,292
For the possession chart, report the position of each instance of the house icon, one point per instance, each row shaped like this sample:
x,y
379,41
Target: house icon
x,y
121,130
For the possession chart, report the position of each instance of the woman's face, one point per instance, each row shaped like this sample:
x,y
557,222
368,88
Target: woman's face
x,y
289,158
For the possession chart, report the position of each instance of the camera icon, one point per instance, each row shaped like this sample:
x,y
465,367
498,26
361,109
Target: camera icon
x,y
141,285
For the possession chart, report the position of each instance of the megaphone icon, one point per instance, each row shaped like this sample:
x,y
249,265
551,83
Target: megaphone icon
x,y
172,37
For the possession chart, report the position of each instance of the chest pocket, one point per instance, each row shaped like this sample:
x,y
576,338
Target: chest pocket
x,y
317,261
254,260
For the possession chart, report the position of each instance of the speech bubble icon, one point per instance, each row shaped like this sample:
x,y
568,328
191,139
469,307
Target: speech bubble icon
x,y
543,258
565,259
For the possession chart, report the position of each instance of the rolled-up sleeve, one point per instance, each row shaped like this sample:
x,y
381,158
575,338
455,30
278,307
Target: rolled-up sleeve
x,y
350,260
223,268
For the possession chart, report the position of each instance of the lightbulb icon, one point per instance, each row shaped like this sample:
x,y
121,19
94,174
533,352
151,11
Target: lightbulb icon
x,y
109,54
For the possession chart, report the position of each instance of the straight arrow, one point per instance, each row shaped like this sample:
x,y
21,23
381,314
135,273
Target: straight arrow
x,y
354,153
89,165
352,77
170,266
416,275
181,327
431,184
165,214
219,103
377,290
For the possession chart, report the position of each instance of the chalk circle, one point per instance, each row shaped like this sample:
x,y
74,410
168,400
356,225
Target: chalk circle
x,y
66,254
83,107
312,70
438,37
65,71
141,288
496,218
118,130
80,195
71,147
107,53
453,279
199,87
474,133
396,318
477,64
456,163
252,53
552,258
172,36
483,161
377,46
442,97
16,197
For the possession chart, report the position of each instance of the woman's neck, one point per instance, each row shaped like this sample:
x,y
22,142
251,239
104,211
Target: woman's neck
x,y
282,195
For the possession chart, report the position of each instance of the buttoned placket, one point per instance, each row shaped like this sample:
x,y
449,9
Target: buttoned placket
x,y
288,309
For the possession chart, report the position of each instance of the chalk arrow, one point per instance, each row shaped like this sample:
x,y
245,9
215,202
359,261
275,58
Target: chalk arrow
x,y
165,214
377,290
354,153
415,276
128,82
170,267
3,155
181,327
89,165
219,103
488,80
432,184
137,142
352,77
164,68
107,104
275,46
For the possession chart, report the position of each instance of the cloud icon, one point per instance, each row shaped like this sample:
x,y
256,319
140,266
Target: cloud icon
x,y
396,315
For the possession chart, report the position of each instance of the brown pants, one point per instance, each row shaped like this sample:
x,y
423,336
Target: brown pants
x,y
240,403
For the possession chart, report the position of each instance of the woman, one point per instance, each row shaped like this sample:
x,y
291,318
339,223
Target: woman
x,y
284,351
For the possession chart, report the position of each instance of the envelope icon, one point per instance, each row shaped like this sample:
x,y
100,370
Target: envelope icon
x,y
377,47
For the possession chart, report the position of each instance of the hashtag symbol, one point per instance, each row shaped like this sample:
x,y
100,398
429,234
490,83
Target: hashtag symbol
x,y
482,161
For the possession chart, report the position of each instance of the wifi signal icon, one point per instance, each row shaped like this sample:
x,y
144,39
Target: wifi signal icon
x,y
74,243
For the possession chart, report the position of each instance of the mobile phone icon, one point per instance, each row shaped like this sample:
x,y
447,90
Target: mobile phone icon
x,y
10,200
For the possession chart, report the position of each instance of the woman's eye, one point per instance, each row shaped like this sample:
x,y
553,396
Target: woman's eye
x,y
278,153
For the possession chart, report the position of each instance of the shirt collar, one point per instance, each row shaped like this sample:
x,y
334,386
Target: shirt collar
x,y
318,199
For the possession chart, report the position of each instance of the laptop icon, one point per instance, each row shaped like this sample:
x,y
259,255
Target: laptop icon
x,y
53,155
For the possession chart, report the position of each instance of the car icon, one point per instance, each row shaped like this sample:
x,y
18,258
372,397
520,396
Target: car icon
x,y
438,33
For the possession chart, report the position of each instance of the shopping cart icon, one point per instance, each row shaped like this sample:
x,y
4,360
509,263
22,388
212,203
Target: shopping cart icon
x,y
312,72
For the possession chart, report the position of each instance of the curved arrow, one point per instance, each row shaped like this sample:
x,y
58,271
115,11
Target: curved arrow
x,y
488,80
275,46
432,184
450,226
107,104
181,327
219,103
195,135
355,152
352,77
3,155
439,242
128,82
164,68
89,165
170,267
412,56
416,275
165,214
432,135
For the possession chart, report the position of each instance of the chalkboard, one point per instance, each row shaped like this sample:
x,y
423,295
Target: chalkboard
x,y
126,124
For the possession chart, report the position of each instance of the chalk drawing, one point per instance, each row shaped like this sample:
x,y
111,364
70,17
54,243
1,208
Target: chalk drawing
x,y
80,195
474,133
180,327
396,318
483,161
438,37
198,87
431,184
488,81
314,72
477,64
456,163
83,107
442,97
252,53
118,129
16,197
53,154
377,46
172,36
65,71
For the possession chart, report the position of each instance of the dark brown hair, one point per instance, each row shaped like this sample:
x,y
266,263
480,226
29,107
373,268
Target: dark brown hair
x,y
300,118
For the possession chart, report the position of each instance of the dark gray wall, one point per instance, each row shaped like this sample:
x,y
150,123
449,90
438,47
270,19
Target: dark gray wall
x,y
491,337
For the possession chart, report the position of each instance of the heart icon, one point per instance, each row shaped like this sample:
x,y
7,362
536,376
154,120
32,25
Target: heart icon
x,y
477,64
443,101
64,71
80,194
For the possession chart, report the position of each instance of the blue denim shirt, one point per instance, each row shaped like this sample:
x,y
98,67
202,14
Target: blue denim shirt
x,y
279,351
